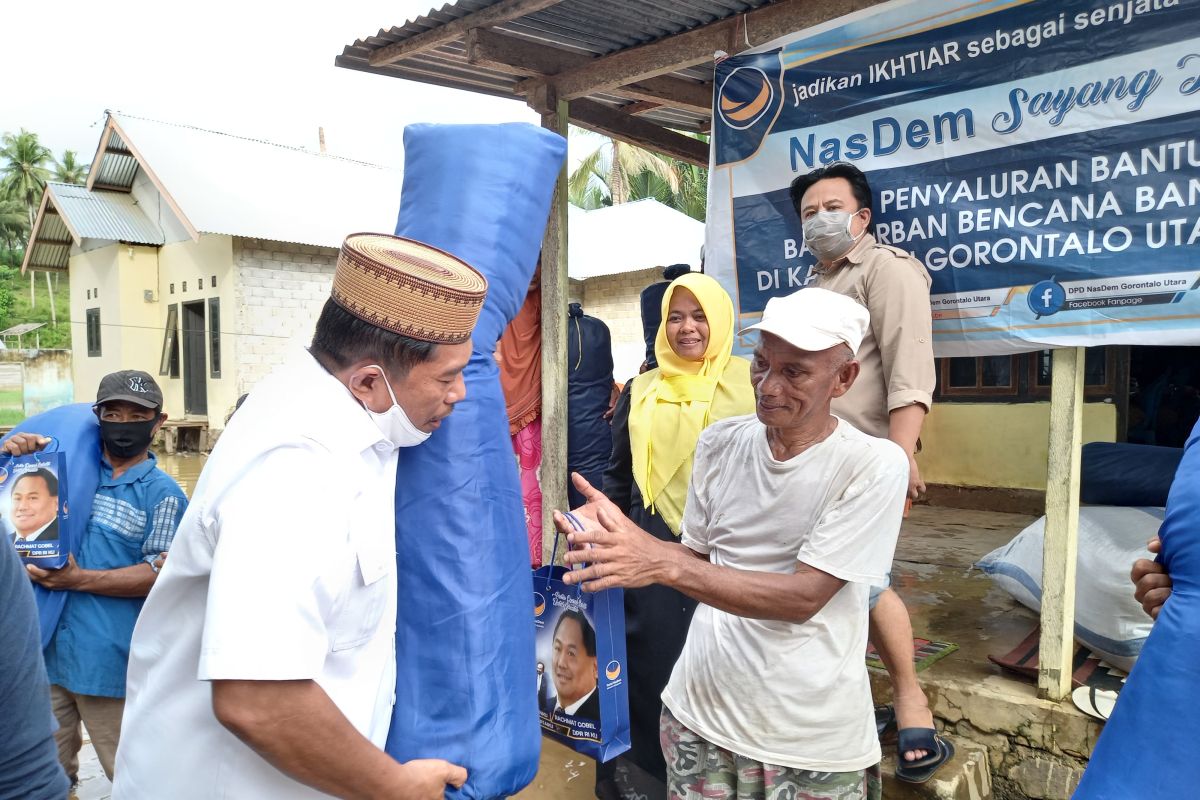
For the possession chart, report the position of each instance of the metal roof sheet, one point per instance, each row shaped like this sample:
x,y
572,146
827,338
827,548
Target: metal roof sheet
x,y
117,166
590,27
22,329
99,214
246,187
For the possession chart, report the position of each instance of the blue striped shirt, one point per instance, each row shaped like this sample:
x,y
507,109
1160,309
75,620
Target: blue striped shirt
x,y
134,518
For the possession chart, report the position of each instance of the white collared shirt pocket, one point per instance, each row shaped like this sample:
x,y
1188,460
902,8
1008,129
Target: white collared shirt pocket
x,y
365,598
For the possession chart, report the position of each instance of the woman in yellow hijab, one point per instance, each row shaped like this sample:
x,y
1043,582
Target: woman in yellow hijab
x,y
656,424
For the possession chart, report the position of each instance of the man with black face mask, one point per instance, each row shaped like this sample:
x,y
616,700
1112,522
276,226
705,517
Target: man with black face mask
x,y
135,513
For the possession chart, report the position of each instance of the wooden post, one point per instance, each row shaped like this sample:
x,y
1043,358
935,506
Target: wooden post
x,y
1062,525
554,339
50,295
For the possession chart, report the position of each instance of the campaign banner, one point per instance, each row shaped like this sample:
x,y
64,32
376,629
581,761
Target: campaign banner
x,y
33,506
1042,159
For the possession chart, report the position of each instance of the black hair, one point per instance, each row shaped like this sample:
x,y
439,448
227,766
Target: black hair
x,y
49,477
589,633
342,338
675,270
838,169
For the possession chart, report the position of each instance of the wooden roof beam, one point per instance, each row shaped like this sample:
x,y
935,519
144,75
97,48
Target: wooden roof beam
x,y
696,46
520,57
497,14
620,125
640,108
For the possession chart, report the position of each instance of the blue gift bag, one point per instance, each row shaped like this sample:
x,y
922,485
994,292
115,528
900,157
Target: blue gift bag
x,y
583,699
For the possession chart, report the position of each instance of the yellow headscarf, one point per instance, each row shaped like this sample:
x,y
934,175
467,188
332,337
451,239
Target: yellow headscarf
x,y
671,405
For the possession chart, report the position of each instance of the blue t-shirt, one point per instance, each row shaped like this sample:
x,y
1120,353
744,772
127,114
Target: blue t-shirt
x,y
134,518
29,768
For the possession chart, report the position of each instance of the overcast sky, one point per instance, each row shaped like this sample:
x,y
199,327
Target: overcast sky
x,y
248,67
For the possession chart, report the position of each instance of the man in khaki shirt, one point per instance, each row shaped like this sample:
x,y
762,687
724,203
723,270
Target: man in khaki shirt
x,y
893,393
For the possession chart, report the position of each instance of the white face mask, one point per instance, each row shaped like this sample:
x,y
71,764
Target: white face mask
x,y
827,234
394,424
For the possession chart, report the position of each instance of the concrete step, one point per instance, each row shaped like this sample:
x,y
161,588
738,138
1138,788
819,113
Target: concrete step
x,y
964,777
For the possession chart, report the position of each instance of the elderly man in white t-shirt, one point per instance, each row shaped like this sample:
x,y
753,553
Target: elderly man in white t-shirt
x,y
791,516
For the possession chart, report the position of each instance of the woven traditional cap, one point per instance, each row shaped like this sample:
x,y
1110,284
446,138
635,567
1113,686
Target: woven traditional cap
x,y
408,288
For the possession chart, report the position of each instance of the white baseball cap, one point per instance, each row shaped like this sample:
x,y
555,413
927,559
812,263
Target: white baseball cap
x,y
814,319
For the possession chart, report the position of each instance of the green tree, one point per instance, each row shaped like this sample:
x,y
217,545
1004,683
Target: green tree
x,y
639,174
68,169
23,169
14,224
609,168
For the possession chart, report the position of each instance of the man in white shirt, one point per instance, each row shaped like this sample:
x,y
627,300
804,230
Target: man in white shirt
x,y
263,663
792,514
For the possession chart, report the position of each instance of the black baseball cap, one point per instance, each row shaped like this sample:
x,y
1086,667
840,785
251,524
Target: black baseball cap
x,y
130,385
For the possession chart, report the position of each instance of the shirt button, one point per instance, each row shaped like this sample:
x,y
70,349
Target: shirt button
x,y
381,446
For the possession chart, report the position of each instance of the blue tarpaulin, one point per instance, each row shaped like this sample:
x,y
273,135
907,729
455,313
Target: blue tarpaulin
x,y
1148,747
466,671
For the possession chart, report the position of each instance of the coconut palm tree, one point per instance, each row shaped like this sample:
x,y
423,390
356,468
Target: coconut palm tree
x,y
23,169
611,165
14,225
672,182
68,169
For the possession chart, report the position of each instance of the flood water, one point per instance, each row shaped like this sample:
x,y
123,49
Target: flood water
x,y
183,467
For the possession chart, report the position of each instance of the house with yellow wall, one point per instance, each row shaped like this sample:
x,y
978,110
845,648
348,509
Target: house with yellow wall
x,y
200,257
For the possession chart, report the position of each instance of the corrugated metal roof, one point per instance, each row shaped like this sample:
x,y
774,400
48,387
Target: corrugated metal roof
x,y
102,214
71,213
246,187
117,166
589,27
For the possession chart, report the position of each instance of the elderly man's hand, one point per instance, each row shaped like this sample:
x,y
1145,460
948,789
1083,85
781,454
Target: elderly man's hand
x,y
1152,584
617,553
22,444
66,577
594,501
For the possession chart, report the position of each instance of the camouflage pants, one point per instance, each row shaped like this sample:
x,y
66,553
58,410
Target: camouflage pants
x,y
700,770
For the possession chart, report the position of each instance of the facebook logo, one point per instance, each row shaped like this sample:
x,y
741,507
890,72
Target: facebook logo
x,y
1046,298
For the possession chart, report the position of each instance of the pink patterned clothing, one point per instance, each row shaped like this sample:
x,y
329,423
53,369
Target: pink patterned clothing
x,y
527,445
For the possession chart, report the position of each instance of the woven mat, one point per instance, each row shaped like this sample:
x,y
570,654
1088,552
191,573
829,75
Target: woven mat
x,y
1087,669
925,653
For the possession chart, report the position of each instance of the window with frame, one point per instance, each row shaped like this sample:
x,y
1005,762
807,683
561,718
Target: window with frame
x,y
1097,371
214,336
93,331
1024,377
983,375
169,363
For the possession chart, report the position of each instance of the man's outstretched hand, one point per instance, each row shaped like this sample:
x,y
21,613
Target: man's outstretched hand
x,y
614,552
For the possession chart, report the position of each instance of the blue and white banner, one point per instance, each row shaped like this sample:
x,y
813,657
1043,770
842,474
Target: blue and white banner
x,y
1041,158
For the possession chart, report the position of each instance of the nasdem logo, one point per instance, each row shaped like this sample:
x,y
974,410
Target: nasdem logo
x,y
1046,298
746,94
613,670
539,604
